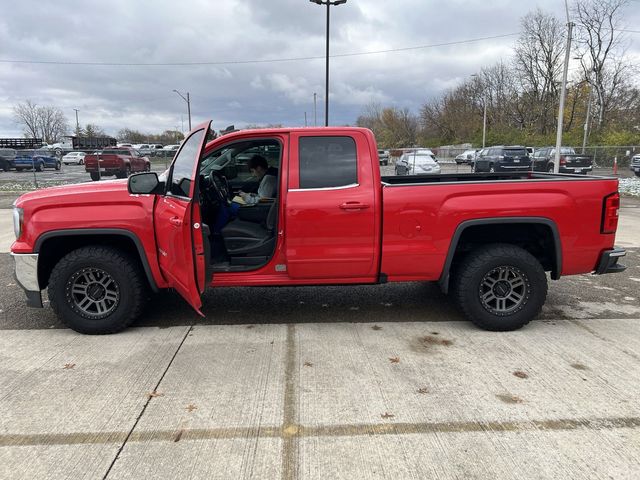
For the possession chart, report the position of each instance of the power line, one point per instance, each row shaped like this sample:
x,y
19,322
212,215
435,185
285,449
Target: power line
x,y
246,62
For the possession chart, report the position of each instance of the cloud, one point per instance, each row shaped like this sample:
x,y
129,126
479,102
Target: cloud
x,y
142,97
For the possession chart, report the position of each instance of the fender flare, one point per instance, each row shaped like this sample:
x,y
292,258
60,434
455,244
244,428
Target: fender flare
x,y
103,231
446,270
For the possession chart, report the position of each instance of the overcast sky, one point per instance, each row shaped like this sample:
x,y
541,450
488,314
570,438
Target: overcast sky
x,y
206,31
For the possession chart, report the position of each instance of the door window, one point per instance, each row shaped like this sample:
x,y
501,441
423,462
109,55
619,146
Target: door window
x,y
327,162
183,166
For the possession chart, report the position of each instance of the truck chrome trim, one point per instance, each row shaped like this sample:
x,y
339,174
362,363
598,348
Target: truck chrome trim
x,y
344,187
26,268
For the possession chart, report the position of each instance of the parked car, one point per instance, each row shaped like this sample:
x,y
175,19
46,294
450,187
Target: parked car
x,y
466,157
100,248
171,148
120,162
36,159
420,162
77,158
635,164
570,162
383,157
7,157
502,158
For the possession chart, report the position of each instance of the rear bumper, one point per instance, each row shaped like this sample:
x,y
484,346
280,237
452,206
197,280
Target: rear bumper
x,y
609,261
26,273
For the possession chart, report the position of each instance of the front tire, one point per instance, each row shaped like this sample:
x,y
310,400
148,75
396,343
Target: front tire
x,y
95,176
39,167
500,287
58,166
96,290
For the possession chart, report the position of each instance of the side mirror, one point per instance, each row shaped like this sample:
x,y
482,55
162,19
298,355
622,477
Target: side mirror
x,y
144,183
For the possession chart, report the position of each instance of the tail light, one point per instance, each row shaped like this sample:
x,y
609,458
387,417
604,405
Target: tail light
x,y
563,161
610,213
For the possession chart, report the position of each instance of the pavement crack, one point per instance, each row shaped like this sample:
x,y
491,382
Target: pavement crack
x,y
146,403
290,416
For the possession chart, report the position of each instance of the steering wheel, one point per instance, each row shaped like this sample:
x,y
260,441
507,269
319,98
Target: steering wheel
x,y
218,188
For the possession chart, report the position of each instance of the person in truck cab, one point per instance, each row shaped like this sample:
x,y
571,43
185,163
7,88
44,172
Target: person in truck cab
x,y
268,177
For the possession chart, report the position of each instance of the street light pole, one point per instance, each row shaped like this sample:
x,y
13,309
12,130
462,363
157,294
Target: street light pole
x,y
586,120
328,3
315,116
563,92
188,100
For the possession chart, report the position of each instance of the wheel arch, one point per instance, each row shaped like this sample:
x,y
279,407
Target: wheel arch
x,y
542,232
52,246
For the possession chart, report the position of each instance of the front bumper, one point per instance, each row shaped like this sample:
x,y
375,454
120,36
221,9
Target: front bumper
x,y
26,272
609,261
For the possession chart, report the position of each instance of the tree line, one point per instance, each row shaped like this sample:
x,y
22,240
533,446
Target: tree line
x,y
521,94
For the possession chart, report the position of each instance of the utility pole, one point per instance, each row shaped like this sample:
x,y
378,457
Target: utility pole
x,y
328,3
305,119
484,121
586,120
188,100
563,92
77,123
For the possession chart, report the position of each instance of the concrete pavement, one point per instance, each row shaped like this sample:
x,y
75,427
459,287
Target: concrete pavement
x,y
403,400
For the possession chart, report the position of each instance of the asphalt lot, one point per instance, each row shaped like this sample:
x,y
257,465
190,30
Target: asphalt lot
x,y
381,381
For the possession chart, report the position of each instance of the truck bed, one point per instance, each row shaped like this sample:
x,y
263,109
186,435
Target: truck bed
x,y
483,177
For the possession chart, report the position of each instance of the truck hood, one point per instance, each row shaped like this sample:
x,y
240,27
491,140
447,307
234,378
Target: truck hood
x,y
104,192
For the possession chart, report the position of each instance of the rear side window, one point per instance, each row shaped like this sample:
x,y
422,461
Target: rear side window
x,y
515,152
327,162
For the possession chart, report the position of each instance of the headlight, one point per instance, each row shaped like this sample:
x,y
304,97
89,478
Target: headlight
x,y
18,217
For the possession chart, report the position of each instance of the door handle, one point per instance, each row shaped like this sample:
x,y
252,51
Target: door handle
x,y
354,206
175,221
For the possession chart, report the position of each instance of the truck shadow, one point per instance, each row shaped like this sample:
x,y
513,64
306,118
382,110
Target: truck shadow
x,y
402,302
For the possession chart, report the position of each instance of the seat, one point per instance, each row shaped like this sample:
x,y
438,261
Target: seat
x,y
250,239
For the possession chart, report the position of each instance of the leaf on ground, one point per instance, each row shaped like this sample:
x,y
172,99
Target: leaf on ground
x,y
387,415
394,359
69,366
520,374
423,391
250,326
155,394
308,364
191,407
376,327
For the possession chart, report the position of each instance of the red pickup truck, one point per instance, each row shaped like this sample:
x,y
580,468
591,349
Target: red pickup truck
x,y
118,161
488,239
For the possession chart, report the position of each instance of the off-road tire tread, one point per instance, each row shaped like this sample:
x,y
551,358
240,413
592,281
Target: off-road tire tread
x,y
135,289
476,260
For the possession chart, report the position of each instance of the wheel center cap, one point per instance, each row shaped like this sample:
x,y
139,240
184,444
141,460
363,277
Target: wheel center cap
x,y
502,289
96,292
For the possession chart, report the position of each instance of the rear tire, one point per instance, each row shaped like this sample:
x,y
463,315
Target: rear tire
x,y
97,290
95,176
39,167
58,166
500,287
550,168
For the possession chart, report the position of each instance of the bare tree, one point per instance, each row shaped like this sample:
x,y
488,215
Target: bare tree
x,y
600,44
26,114
48,123
538,65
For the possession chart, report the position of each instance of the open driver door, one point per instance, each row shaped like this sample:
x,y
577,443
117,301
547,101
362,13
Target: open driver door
x,y
182,239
